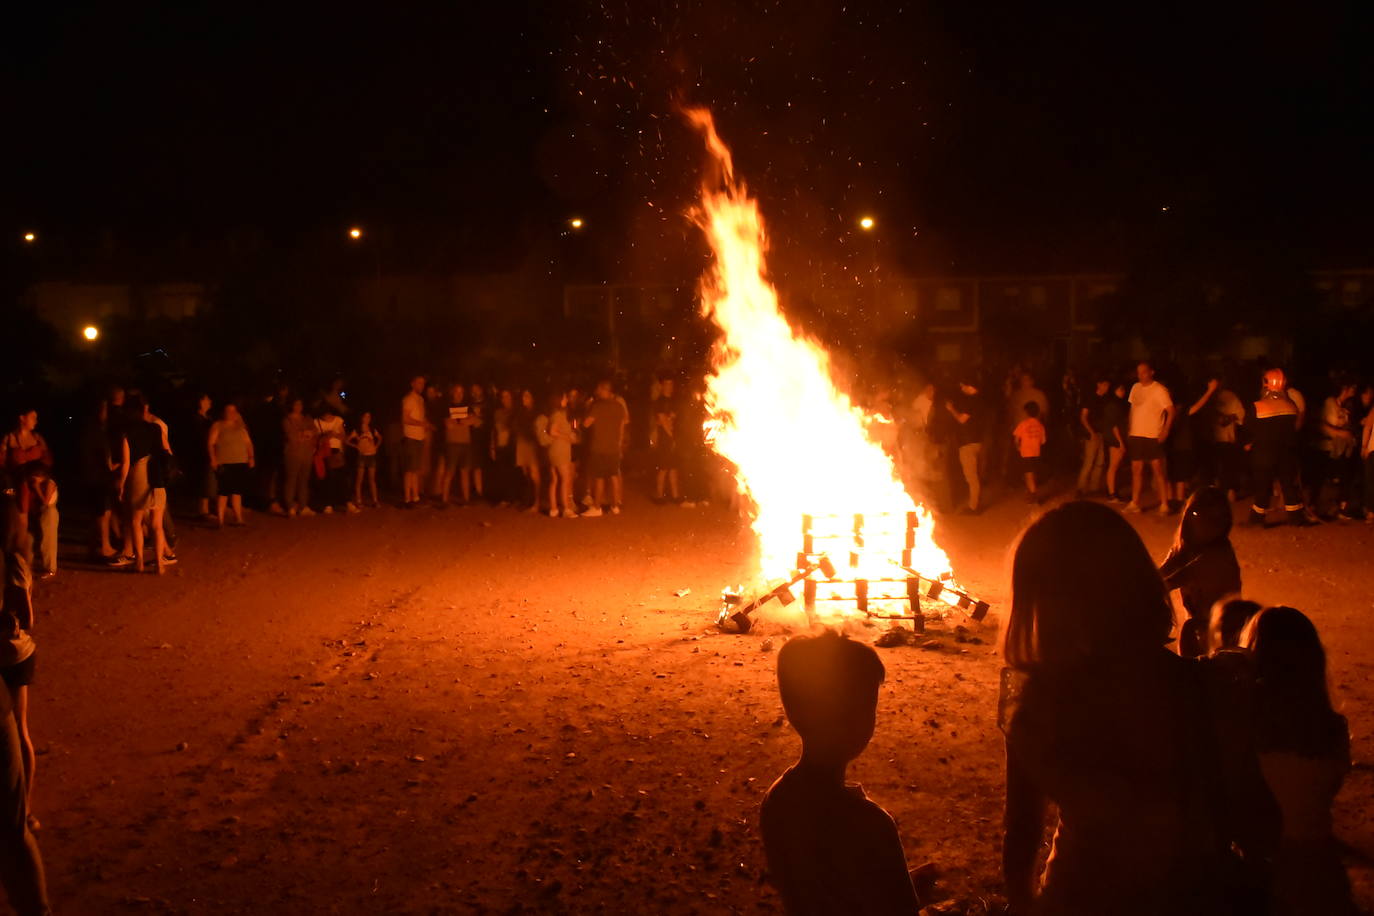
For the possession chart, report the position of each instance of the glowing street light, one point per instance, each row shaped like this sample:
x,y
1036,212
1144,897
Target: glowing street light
x,y
355,233
575,222
30,237
867,224
90,332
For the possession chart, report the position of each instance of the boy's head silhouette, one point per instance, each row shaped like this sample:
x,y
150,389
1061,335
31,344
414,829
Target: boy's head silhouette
x,y
829,687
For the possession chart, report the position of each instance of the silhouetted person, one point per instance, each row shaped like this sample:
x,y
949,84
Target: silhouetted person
x,y
21,866
830,849
1106,724
1304,753
1202,565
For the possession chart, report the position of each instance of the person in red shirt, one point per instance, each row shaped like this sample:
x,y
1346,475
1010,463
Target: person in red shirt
x,y
1030,439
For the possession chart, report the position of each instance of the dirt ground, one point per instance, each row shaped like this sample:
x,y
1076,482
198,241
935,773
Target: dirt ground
x,y
480,711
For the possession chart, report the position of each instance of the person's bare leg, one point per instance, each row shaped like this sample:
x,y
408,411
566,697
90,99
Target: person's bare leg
x,y
19,700
236,501
372,483
536,480
1161,481
159,539
220,503
136,532
674,487
615,490
598,492
358,484
659,480
103,527
1030,483
1137,473
477,482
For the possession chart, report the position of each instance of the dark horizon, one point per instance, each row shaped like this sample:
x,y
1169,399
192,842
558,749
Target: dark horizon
x,y
1071,140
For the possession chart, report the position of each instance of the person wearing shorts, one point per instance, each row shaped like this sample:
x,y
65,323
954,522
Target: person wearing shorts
x,y
231,457
606,420
414,425
1152,413
458,458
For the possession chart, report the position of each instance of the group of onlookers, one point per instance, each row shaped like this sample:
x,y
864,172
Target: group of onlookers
x,y
1141,443
1197,781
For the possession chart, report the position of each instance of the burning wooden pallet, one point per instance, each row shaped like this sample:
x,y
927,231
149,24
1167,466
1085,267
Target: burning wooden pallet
x,y
876,573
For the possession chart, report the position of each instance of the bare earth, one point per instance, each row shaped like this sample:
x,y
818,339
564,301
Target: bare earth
x,y
478,711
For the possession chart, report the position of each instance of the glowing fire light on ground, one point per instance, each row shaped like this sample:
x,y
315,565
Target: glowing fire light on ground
x,y
798,444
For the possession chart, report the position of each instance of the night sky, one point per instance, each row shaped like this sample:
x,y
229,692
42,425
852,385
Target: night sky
x,y
1042,137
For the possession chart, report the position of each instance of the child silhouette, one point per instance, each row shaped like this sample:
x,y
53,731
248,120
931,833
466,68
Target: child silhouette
x,y
830,848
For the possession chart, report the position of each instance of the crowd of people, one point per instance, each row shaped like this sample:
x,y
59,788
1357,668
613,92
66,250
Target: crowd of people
x,y
1145,445
1173,793
1191,780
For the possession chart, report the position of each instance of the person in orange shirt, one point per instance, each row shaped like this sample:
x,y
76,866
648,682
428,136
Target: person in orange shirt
x,y
1030,439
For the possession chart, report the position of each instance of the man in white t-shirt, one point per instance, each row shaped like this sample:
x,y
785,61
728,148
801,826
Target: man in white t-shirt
x,y
1152,413
413,427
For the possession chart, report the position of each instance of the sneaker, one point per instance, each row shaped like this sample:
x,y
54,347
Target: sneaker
x,y
1131,509
568,513
687,504
328,510
1164,510
169,559
307,512
553,513
120,562
593,512
291,513
276,509
353,509
615,510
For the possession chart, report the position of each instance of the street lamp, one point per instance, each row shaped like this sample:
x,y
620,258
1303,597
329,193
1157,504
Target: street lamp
x,y
866,224
30,237
575,222
90,332
355,233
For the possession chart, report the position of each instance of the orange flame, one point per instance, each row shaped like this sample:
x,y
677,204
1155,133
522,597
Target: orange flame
x,y
798,444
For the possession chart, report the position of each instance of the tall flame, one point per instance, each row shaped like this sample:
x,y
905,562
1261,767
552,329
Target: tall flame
x,y
798,443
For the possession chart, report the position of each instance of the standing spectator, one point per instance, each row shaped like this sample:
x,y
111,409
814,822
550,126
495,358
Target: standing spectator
x,y
414,427
606,421
201,471
556,435
1367,450
1304,754
458,458
1102,724
436,467
95,473
1152,413
480,412
663,441
1338,445
1066,446
502,454
967,412
231,458
1025,393
367,441
143,483
1095,435
330,468
1183,445
266,419
1272,431
577,416
1116,414
527,452
1029,436
1228,413
29,461
922,455
298,432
